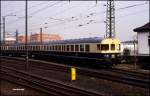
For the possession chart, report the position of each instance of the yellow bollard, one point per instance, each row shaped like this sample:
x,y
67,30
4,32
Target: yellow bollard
x,y
73,73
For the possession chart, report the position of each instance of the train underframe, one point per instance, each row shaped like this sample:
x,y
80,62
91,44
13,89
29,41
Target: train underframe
x,y
94,60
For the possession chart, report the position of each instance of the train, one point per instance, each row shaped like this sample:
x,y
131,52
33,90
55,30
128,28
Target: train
x,y
94,50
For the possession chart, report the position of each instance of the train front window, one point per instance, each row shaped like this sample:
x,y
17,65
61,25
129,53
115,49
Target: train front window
x,y
119,47
104,47
112,46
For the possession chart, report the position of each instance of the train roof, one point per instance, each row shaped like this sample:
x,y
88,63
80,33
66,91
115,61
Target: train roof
x,y
71,41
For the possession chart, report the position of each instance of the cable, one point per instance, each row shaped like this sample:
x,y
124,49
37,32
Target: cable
x,y
44,8
132,6
89,15
39,10
29,7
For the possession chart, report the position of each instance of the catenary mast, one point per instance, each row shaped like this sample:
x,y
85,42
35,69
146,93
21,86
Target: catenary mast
x,y
110,19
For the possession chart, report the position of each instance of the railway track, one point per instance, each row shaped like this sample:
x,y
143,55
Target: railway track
x,y
51,87
117,75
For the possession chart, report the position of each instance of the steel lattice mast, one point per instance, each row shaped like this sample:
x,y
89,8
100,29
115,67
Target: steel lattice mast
x,y
110,19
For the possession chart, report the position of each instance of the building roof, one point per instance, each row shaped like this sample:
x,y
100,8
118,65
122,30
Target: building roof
x,y
144,28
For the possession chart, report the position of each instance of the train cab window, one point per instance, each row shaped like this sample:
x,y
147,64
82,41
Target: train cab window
x,y
72,47
112,46
76,47
104,47
81,47
98,47
119,47
87,48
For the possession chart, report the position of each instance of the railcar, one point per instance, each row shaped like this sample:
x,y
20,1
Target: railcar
x,y
101,51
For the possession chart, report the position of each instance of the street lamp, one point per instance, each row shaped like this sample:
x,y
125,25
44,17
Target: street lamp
x,y
4,26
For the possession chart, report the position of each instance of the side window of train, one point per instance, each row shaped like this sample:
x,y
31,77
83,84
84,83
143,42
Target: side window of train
x,y
64,47
81,47
87,47
47,47
67,47
76,47
104,47
98,47
72,47
112,46
56,47
59,47
53,48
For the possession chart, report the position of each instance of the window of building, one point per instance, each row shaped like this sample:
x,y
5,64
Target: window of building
x,y
112,46
104,47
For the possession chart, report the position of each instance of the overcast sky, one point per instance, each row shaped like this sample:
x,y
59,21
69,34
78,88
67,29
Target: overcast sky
x,y
77,19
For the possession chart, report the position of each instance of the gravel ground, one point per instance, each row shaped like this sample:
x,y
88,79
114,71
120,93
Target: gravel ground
x,y
94,84
12,89
132,68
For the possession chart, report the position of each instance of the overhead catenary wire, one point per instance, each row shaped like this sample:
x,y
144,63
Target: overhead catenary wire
x,y
22,10
44,8
68,20
35,12
96,13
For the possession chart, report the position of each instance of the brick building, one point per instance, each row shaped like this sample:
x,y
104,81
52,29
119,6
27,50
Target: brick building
x,y
21,39
37,38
